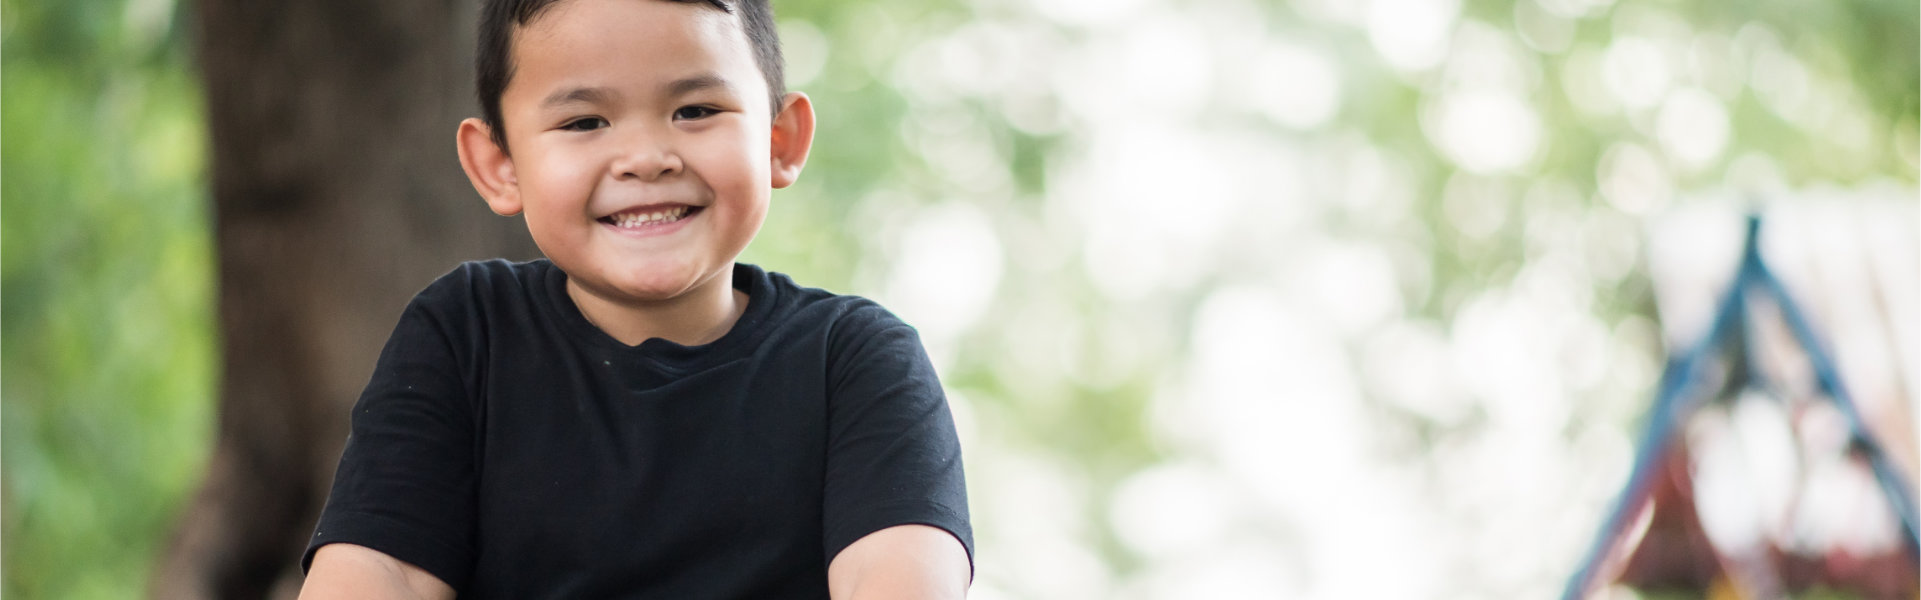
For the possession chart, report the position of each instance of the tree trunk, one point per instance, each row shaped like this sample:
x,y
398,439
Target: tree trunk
x,y
337,196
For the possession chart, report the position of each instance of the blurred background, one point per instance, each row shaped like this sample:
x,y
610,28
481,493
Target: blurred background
x,y
1233,298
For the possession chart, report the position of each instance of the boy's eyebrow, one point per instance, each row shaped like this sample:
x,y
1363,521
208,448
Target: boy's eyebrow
x,y
595,95
688,85
589,95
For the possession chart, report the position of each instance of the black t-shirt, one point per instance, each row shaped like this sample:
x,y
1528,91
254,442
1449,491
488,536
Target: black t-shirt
x,y
514,450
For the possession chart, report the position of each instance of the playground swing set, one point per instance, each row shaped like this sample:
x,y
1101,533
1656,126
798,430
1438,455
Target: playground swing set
x,y
1689,382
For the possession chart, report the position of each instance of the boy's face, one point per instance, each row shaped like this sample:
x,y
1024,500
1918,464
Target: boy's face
x,y
643,149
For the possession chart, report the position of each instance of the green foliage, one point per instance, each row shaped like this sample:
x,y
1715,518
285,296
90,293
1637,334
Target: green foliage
x,y
108,345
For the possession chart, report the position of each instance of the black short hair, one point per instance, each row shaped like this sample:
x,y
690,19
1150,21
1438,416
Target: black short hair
x,y
494,61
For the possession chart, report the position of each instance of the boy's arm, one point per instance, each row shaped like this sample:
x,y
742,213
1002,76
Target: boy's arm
x,y
914,562
402,505
351,572
894,510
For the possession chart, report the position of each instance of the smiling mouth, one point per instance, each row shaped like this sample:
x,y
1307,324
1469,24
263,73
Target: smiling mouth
x,y
644,216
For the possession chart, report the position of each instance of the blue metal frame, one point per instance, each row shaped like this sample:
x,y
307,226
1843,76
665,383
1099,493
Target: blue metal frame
x,y
1674,402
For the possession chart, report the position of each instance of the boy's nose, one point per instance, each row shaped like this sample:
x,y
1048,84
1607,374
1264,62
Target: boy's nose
x,y
646,160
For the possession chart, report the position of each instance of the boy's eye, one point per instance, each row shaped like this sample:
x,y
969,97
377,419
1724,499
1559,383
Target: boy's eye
x,y
693,112
585,124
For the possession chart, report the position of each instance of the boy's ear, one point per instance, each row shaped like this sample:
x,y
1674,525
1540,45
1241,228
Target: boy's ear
x,y
793,133
489,167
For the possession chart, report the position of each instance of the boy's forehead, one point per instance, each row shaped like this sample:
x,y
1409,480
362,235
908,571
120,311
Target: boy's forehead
x,y
572,26
619,43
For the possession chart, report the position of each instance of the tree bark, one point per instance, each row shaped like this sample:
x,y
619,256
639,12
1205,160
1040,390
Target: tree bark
x,y
337,196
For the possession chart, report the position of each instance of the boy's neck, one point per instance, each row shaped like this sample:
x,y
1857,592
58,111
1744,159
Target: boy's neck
x,y
698,317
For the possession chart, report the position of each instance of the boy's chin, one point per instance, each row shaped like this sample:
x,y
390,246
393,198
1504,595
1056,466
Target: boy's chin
x,y
651,286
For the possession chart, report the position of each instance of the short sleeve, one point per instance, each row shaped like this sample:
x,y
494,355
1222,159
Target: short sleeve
x,y
892,454
405,484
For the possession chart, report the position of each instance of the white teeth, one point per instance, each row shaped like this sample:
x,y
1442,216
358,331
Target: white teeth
x,y
639,219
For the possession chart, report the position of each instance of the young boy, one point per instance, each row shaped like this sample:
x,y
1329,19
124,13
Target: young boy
x,y
639,415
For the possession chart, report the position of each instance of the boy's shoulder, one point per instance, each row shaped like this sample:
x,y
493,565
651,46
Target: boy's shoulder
x,y
491,274
844,313
477,283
